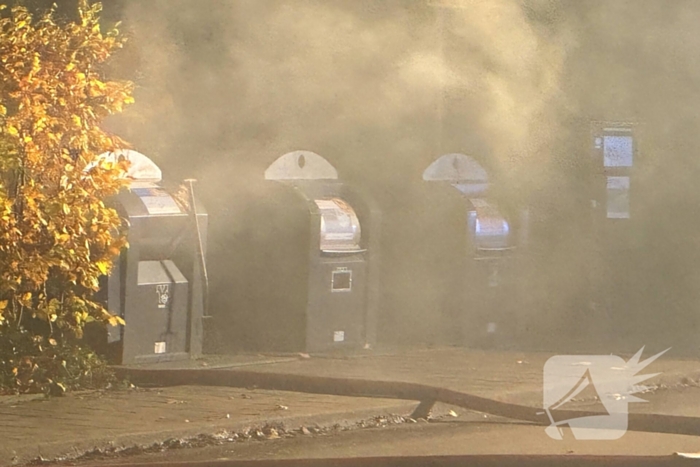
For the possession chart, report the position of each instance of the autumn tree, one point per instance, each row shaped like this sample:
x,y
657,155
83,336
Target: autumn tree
x,y
57,236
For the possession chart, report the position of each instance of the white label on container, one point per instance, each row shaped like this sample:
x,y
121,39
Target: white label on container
x,y
160,347
491,328
338,336
157,201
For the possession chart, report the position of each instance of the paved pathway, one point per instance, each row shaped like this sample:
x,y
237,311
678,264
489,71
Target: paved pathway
x,y
31,426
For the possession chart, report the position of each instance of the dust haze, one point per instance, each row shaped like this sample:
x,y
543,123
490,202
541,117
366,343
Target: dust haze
x,y
382,88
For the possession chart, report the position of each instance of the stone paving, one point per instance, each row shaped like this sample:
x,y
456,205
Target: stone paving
x,y
34,426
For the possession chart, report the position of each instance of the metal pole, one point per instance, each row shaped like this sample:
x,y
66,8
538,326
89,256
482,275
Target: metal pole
x,y
200,248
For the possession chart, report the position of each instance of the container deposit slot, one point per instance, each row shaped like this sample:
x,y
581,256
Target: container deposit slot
x,y
490,229
340,227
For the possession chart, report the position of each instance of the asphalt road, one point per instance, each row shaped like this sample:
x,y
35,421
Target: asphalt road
x,y
469,433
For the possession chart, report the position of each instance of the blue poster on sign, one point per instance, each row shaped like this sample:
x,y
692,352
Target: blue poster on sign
x,y
618,151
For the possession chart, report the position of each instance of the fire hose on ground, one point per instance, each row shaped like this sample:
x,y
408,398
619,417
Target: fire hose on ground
x,y
444,461
425,395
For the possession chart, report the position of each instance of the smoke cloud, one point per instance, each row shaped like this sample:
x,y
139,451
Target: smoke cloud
x,y
379,88
383,88
273,75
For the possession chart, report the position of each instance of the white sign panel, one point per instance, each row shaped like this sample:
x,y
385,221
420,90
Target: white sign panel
x,y
618,197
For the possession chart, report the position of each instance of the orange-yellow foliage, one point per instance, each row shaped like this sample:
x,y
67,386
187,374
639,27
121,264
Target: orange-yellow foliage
x,y
57,237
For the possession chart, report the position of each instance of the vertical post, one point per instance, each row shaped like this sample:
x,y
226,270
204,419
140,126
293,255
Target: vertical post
x,y
200,246
199,291
598,305
373,275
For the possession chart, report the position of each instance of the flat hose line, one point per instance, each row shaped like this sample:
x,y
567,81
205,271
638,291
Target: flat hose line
x,y
425,394
486,460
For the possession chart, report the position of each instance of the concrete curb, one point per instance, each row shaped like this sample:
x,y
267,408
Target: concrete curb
x,y
54,450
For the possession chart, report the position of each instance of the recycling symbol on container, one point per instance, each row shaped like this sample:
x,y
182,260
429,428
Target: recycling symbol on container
x,y
163,295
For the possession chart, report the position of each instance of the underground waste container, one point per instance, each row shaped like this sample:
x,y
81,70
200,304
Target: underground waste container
x,y
303,277
158,283
475,244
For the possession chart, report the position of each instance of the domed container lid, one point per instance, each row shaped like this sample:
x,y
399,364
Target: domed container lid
x,y
460,170
142,170
301,165
145,177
